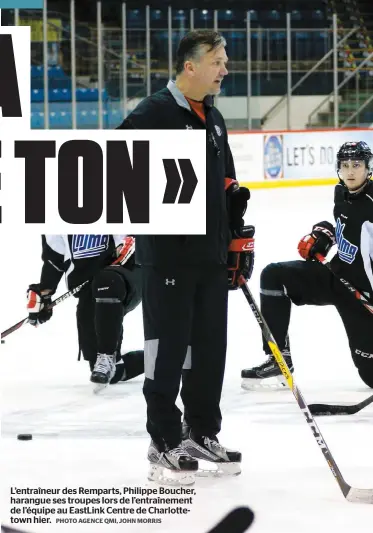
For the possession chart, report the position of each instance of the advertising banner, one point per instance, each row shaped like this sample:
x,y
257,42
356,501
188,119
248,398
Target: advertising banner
x,y
313,155
273,157
247,151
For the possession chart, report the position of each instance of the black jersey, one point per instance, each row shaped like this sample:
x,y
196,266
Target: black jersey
x,y
79,257
354,234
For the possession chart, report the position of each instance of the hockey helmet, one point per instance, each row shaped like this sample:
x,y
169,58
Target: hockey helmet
x,y
356,151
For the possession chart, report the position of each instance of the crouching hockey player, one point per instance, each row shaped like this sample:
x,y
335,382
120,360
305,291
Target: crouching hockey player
x,y
310,283
114,290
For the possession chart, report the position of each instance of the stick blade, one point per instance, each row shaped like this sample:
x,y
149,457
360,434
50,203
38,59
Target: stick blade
x,y
324,409
237,521
360,496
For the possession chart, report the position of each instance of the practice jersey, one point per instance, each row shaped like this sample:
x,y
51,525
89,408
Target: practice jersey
x,y
79,257
354,234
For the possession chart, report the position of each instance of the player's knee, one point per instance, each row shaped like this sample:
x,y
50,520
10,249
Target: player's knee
x,y
366,374
270,277
109,285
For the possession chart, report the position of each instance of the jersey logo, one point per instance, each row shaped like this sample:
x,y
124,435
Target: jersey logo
x,y
84,246
346,250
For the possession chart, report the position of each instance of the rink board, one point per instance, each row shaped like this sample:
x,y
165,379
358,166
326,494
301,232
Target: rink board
x,y
290,158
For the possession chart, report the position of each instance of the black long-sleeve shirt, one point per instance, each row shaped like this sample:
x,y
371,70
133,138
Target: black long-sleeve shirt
x,y
169,109
354,234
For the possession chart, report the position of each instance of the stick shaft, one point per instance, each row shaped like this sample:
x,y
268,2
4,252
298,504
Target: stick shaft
x,y
345,488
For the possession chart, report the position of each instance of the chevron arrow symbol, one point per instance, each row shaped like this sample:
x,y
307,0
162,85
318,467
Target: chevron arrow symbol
x,y
186,183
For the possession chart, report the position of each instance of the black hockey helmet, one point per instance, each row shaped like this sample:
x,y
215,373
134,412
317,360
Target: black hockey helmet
x,y
357,151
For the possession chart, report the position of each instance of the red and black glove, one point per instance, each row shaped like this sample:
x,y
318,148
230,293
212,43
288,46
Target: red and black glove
x,y
241,256
319,241
237,198
124,250
38,305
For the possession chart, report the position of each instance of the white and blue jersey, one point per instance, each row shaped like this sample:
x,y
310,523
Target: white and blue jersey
x,y
79,257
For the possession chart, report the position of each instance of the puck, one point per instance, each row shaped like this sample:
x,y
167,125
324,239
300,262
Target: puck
x,y
2,341
24,436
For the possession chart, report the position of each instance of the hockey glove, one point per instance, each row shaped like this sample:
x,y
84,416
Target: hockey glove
x,y
321,239
237,198
241,256
124,251
38,305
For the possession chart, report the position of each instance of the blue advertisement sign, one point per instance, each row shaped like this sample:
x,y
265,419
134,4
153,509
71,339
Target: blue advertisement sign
x,y
273,157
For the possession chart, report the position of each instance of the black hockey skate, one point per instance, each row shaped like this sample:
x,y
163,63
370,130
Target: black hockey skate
x,y
225,461
256,378
171,466
103,371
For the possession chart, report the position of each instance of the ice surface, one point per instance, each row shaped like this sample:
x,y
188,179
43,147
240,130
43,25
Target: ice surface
x,y
101,442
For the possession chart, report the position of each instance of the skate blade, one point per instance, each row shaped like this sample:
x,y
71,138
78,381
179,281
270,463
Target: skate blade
x,y
264,384
221,470
165,476
98,387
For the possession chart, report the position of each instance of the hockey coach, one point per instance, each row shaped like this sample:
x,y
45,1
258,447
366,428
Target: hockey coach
x,y
185,279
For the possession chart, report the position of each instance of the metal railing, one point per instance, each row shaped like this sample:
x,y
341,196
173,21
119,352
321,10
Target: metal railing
x,y
342,84
126,60
79,38
277,105
356,113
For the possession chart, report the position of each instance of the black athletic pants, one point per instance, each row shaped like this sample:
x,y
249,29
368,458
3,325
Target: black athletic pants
x,y
185,325
102,305
310,283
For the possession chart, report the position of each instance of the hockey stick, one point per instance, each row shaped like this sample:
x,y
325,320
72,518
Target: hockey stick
x,y
368,304
324,409
321,409
237,521
53,304
127,250
351,494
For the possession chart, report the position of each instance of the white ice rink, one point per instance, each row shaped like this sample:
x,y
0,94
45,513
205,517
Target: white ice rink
x,y
101,442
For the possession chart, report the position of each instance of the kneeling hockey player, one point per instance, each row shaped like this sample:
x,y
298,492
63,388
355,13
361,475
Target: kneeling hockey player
x,y
310,283
114,290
